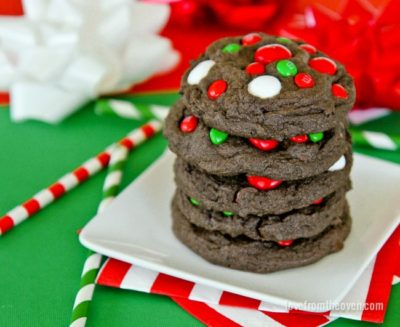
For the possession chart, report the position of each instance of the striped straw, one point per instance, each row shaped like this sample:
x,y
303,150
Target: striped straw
x,y
114,176
376,140
128,110
74,178
92,263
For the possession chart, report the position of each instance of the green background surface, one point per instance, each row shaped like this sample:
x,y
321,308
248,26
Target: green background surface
x,y
41,259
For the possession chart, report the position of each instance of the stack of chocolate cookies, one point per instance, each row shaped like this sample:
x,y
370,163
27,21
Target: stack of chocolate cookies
x,y
263,154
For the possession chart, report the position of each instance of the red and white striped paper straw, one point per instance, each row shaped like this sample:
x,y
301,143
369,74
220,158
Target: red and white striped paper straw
x,y
74,178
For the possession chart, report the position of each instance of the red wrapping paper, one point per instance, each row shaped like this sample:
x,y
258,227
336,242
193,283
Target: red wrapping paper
x,y
365,39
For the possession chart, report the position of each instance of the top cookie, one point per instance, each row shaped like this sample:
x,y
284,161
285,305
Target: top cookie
x,y
267,87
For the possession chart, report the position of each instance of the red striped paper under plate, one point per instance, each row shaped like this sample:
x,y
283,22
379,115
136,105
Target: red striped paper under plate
x,y
373,286
215,315
396,277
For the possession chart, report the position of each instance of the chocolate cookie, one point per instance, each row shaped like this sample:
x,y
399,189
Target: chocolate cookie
x,y
258,256
237,155
236,195
299,223
269,88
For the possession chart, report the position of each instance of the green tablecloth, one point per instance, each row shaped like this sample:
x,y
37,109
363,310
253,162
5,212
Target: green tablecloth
x,y
41,260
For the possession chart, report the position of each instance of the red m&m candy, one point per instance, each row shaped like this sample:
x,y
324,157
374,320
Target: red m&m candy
x,y
217,88
251,39
271,52
285,242
308,47
318,201
299,138
323,65
255,68
304,80
339,91
263,183
264,145
188,124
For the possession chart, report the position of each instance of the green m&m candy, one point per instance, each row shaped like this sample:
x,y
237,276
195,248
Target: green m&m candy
x,y
227,213
286,68
231,48
217,137
316,137
194,202
282,39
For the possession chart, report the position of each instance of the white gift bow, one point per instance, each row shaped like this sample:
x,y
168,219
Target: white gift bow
x,y
62,53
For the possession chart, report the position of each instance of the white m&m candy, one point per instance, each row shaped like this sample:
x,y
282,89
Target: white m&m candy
x,y
200,71
338,165
265,86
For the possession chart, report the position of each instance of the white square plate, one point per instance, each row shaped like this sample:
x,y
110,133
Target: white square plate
x,y
136,228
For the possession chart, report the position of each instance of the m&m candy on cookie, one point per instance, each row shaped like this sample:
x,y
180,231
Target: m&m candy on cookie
x,y
304,80
263,183
255,68
323,65
189,124
216,89
339,91
264,145
272,52
250,39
